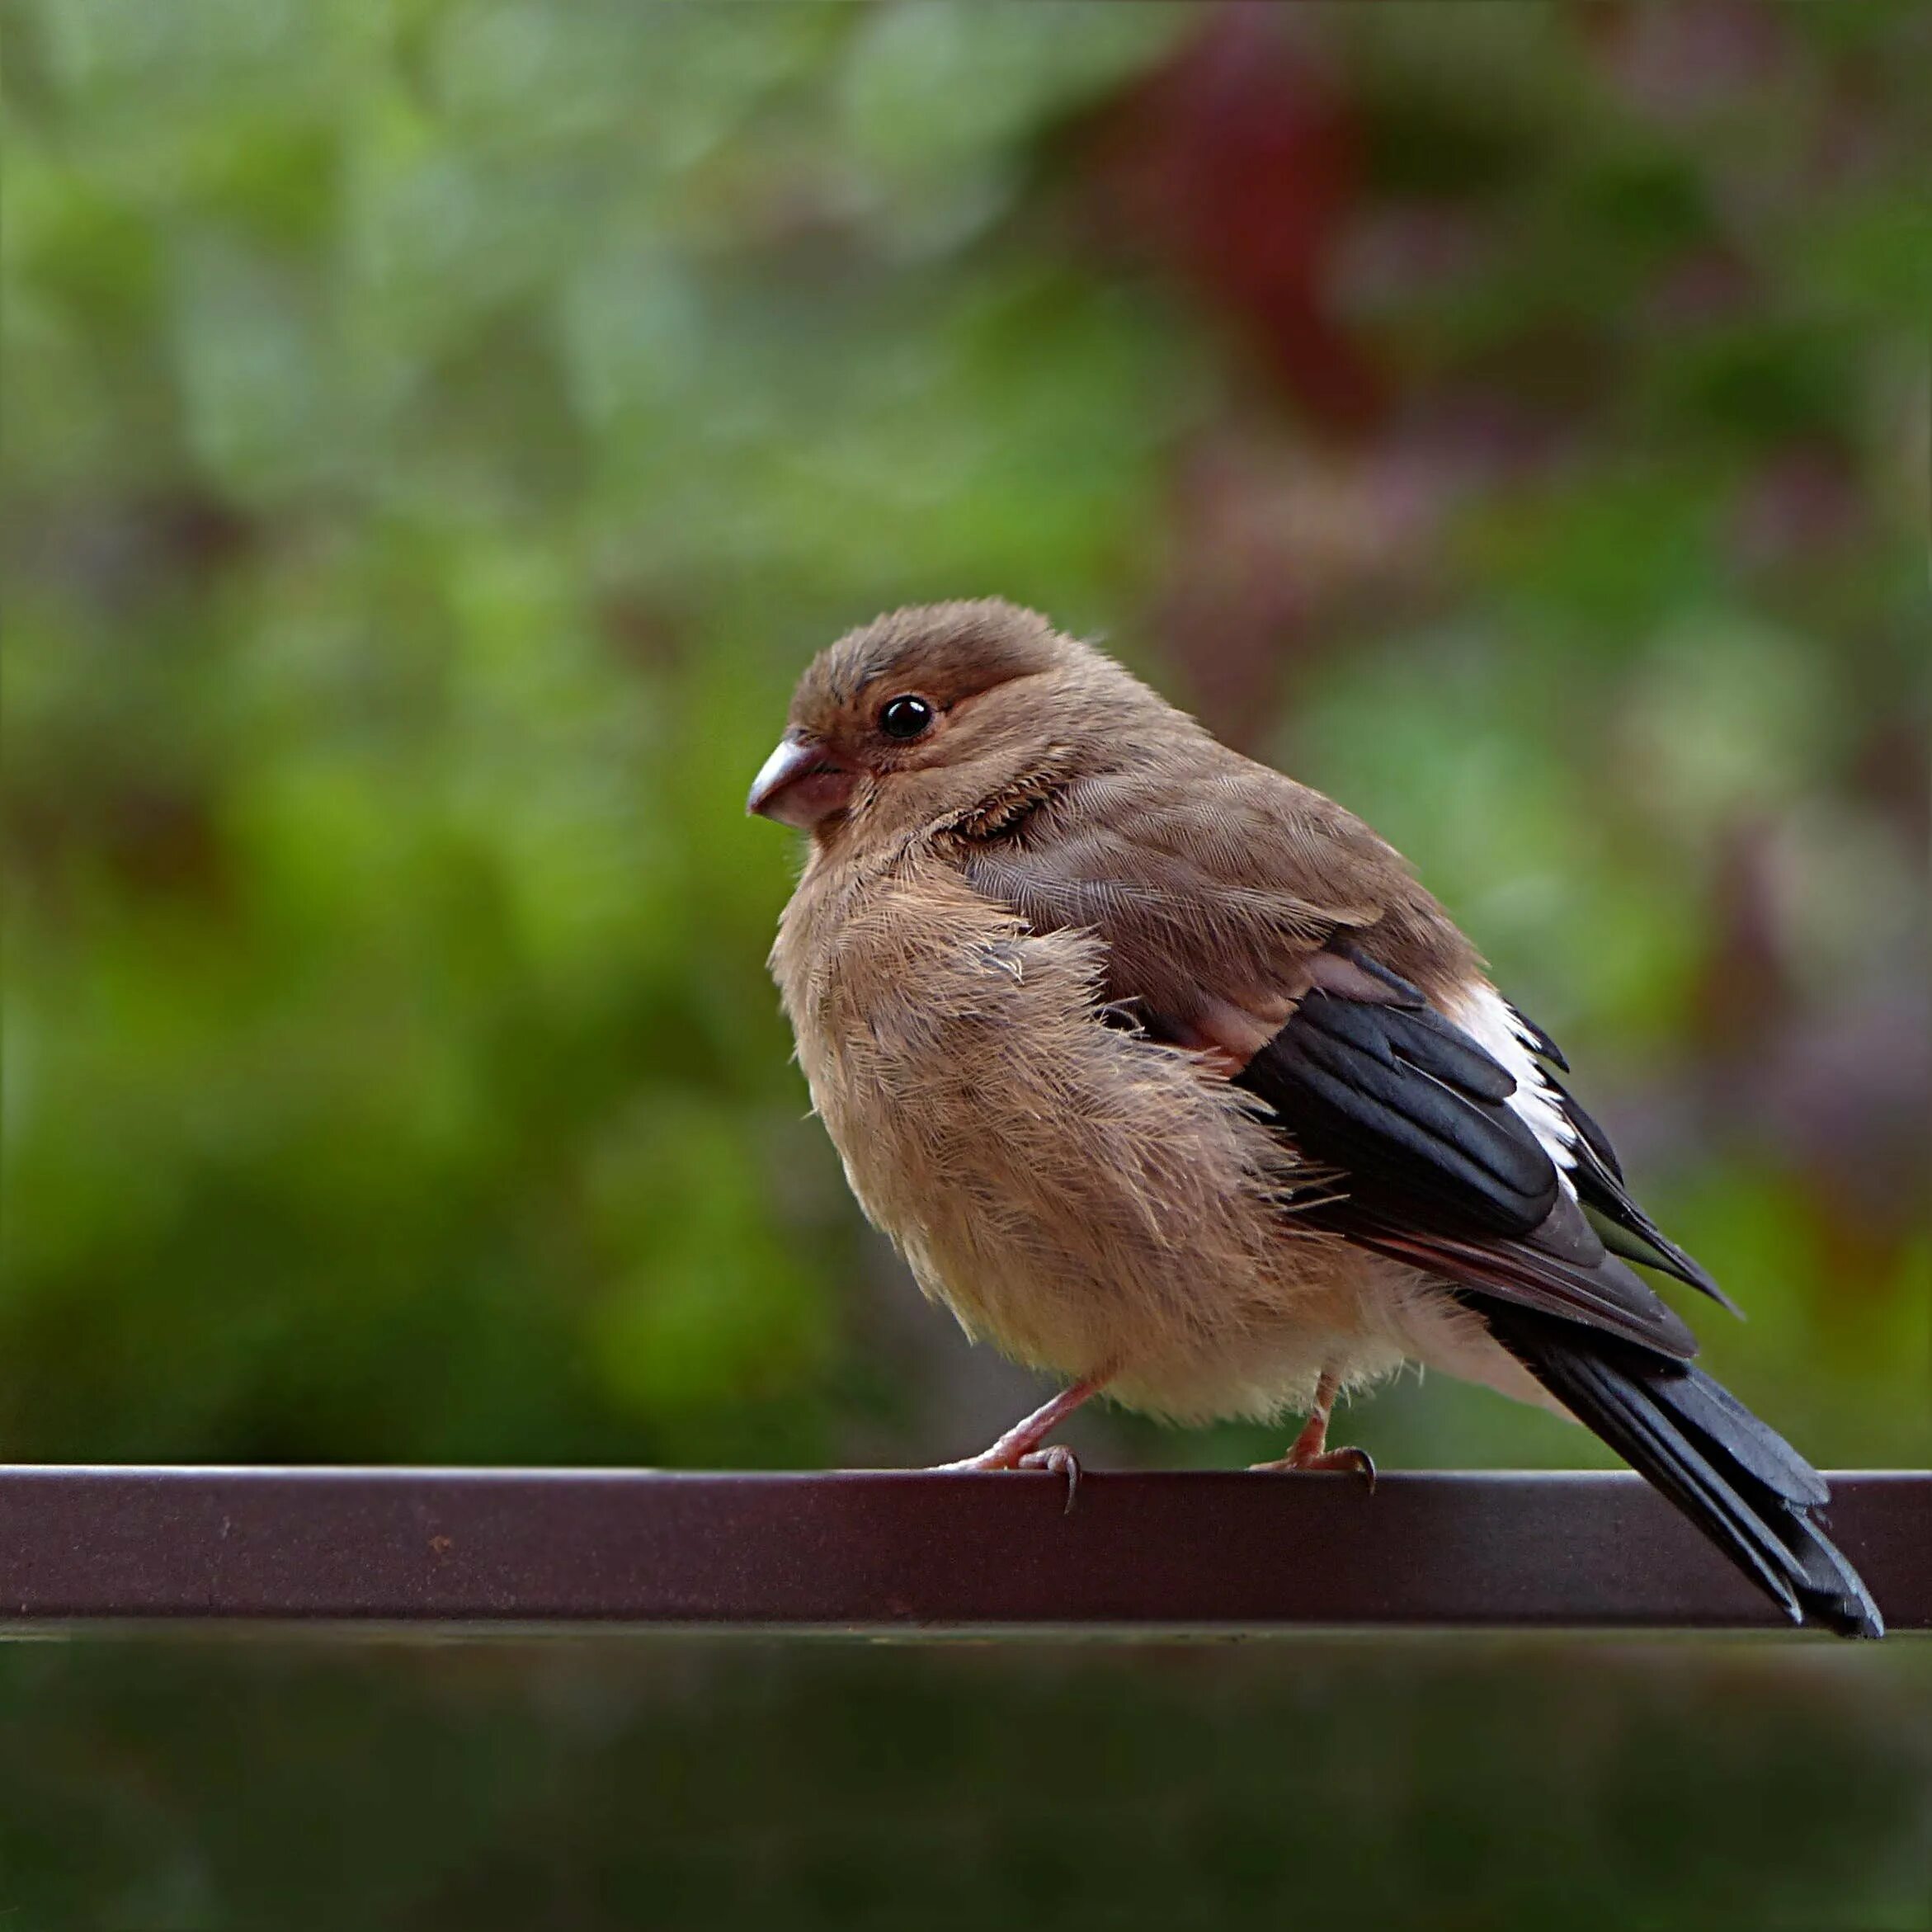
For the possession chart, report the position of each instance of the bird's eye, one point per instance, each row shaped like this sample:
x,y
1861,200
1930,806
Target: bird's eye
x,y
905,717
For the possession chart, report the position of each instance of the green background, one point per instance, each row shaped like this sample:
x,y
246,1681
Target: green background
x,y
434,437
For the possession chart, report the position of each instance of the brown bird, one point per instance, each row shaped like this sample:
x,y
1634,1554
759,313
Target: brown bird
x,y
1166,1075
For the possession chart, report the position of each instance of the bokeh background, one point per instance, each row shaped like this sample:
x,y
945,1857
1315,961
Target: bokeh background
x,y
435,436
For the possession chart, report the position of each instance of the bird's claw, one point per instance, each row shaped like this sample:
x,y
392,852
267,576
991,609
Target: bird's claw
x,y
1056,1459
1359,1461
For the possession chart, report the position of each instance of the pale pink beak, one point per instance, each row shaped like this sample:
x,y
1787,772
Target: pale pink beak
x,y
799,784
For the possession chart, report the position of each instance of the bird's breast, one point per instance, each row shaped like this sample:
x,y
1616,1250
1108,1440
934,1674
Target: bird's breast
x,y
1085,1198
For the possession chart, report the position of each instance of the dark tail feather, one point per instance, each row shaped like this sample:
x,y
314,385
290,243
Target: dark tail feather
x,y
1739,1481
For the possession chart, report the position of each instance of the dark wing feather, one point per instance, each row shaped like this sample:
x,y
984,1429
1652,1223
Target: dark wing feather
x,y
1545,1047
1436,1168
1599,1178
1412,1110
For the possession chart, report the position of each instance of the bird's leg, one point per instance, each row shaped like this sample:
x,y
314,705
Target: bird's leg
x,y
1311,1449
1019,1448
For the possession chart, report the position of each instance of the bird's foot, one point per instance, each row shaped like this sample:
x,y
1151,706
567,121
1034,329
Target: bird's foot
x,y
1056,1459
1024,1445
1311,1449
1358,1460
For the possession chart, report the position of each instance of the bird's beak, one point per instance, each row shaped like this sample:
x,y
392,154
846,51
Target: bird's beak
x,y
799,784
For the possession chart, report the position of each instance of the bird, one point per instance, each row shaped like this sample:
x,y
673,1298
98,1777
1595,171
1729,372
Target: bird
x,y
1168,1077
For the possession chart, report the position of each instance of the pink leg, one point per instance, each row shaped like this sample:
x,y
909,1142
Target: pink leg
x,y
1311,1450
1019,1448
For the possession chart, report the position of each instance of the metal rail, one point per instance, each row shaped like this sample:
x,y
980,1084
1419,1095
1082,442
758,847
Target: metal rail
x,y
868,1551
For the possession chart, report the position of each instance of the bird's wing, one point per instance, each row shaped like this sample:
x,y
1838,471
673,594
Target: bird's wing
x,y
1443,1165
1245,913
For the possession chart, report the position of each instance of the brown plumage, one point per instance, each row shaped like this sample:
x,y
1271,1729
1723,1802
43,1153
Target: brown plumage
x,y
1167,1076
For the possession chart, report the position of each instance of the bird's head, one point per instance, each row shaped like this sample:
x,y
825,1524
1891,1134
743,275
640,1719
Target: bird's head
x,y
926,712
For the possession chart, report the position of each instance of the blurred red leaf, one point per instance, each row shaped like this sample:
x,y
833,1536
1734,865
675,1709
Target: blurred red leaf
x,y
1237,167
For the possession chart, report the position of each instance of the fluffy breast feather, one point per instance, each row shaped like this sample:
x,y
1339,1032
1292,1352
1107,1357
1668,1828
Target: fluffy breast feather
x,y
1091,1201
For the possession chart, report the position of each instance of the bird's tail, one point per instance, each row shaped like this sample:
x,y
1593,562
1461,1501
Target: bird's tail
x,y
1738,1479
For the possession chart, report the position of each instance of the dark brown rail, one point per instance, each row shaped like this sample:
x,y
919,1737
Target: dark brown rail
x,y
883,1551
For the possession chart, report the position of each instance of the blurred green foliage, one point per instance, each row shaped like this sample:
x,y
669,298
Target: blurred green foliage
x,y
436,437
435,433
